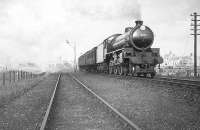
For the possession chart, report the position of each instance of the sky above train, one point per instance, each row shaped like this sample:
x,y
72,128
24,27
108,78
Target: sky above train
x,y
37,30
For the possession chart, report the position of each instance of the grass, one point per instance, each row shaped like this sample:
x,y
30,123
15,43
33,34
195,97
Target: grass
x,y
12,90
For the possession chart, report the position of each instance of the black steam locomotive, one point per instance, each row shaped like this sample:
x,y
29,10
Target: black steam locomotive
x,y
122,54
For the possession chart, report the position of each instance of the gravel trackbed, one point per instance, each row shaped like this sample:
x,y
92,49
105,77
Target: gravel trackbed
x,y
151,106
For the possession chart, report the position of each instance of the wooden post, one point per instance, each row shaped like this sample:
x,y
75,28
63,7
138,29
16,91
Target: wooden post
x,y
10,76
195,33
13,76
18,75
21,75
4,78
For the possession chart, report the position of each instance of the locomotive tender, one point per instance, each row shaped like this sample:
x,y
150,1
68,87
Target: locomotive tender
x,y
122,54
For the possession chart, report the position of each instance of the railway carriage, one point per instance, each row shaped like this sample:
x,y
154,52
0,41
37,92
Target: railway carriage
x,y
87,61
122,54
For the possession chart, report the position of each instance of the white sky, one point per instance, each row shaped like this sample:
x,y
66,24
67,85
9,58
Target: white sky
x,y
36,30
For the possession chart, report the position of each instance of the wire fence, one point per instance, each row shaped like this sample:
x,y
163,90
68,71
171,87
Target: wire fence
x,y
12,76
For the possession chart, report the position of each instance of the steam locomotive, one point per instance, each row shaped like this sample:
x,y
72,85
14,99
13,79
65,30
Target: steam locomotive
x,y
123,54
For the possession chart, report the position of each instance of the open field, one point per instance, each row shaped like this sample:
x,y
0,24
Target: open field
x,y
15,89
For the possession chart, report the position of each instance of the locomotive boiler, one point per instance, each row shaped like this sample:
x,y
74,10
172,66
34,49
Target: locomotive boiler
x,y
122,54
140,37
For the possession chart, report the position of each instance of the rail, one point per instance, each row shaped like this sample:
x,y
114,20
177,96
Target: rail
x,y
49,106
191,83
124,118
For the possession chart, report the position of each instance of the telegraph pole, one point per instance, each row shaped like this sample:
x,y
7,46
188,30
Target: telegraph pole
x,y
74,49
75,58
195,33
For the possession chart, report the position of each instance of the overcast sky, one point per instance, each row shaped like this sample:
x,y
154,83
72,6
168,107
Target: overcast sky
x,y
36,30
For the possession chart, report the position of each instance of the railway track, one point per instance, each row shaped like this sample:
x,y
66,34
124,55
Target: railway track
x,y
180,82
44,121
127,124
193,84
171,106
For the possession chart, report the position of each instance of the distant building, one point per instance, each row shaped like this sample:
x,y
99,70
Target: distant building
x,y
177,61
63,66
178,65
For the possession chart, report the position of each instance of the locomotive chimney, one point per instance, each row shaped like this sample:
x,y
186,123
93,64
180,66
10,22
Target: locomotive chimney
x,y
138,22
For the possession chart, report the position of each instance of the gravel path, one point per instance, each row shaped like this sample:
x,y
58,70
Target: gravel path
x,y
26,112
151,106
74,109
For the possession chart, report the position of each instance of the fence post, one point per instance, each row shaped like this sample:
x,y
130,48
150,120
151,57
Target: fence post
x,y
21,75
10,76
13,76
25,75
18,75
29,75
4,78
